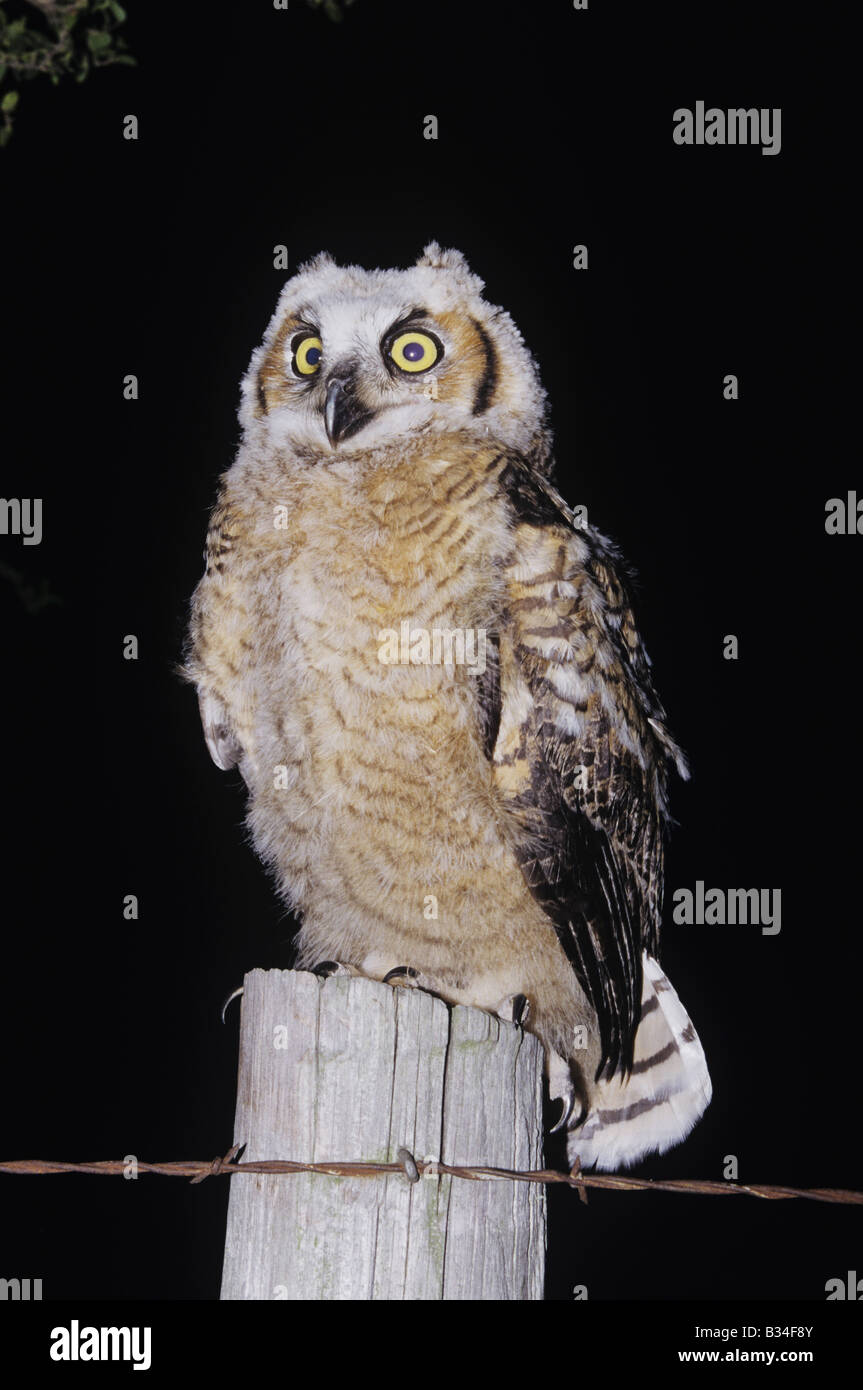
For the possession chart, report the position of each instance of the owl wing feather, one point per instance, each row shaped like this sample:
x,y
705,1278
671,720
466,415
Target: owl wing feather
x,y
581,752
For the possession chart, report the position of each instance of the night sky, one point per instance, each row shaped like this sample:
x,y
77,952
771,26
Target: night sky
x,y
155,257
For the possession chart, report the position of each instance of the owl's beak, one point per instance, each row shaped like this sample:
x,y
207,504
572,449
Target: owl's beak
x,y
344,412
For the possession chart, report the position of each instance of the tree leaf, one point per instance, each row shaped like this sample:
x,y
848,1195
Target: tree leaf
x,y
9,102
98,41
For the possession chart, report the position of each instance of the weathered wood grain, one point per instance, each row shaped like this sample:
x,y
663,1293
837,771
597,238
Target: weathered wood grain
x,y
351,1069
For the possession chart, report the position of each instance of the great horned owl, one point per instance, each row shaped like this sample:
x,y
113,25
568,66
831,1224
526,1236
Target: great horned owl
x,y
430,678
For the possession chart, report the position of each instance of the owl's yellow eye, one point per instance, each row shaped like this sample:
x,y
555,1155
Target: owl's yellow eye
x,y
307,352
415,352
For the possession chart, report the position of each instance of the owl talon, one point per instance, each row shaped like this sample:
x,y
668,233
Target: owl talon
x,y
326,968
235,994
568,1100
515,1008
404,976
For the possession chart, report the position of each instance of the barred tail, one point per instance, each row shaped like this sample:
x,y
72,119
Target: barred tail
x,y
665,1094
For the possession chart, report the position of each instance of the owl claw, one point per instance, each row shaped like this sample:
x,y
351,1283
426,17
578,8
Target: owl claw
x,y
326,968
404,976
515,1008
235,994
568,1100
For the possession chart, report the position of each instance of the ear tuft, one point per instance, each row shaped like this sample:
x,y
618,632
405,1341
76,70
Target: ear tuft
x,y
438,259
322,261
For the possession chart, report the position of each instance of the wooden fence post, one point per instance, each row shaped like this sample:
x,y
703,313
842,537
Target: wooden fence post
x,y
350,1069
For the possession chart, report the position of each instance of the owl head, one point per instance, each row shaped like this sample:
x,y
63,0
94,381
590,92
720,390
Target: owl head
x,y
355,359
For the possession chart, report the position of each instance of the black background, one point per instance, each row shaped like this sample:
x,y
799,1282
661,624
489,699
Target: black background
x,y
155,257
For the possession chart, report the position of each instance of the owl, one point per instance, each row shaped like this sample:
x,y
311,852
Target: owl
x,y
428,673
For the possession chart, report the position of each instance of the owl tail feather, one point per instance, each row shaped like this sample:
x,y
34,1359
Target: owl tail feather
x,y
663,1097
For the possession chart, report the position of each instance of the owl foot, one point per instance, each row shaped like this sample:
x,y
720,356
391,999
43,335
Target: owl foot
x,y
326,968
515,1008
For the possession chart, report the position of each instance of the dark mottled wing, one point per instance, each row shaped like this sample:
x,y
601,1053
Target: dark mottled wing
x,y
581,753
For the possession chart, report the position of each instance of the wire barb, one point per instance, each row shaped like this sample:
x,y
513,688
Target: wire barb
x,y
409,1164
578,1180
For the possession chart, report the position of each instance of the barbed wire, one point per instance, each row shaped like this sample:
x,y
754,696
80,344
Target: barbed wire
x,y
414,1169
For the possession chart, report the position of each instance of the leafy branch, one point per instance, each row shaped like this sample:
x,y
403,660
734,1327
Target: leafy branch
x,y
55,39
